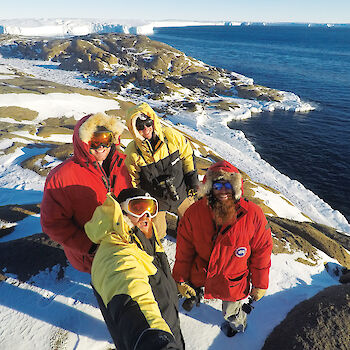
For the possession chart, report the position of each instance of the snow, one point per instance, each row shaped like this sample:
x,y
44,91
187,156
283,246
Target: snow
x,y
49,313
283,207
46,310
5,70
58,104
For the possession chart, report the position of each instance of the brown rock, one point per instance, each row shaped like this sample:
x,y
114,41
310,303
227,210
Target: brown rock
x,y
319,323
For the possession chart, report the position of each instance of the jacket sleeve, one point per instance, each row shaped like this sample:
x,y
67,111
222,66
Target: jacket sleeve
x,y
132,165
156,340
122,280
57,220
187,157
185,251
261,249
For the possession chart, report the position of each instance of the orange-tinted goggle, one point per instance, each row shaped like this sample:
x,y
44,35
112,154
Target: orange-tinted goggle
x,y
139,206
101,138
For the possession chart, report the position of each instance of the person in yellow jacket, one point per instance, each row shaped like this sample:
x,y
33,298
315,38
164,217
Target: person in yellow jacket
x,y
160,161
130,274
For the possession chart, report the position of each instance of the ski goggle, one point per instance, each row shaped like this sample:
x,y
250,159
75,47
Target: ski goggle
x,y
218,186
101,138
139,206
140,125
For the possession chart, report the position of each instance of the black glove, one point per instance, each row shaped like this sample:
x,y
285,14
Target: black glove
x,y
191,180
192,193
194,300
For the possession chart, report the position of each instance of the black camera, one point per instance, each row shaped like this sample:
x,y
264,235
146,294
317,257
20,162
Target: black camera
x,y
248,307
194,300
168,185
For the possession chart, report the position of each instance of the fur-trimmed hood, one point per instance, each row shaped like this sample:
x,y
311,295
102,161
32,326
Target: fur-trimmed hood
x,y
222,170
88,128
84,130
132,115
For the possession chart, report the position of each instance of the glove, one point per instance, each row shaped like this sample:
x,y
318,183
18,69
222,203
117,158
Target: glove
x,y
257,293
185,290
192,193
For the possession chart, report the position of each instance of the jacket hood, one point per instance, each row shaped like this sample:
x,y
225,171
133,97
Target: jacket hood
x,y
108,224
132,115
85,128
222,170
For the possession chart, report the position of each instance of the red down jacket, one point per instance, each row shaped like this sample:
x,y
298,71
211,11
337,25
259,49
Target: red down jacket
x,y
225,266
72,192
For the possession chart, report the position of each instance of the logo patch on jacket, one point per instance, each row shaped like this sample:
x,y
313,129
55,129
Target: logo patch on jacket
x,y
241,252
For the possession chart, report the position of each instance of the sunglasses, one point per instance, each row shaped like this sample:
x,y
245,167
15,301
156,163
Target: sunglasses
x,y
218,186
141,125
139,206
101,138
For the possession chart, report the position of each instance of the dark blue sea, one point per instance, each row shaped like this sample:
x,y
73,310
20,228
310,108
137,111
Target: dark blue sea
x,y
312,62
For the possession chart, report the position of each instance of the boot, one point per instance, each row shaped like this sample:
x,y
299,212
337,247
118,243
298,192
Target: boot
x,y
228,330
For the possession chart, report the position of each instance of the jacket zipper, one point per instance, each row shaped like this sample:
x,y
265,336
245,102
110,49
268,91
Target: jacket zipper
x,y
105,178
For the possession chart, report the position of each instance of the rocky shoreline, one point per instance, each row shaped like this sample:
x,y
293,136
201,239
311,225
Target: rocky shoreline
x,y
142,67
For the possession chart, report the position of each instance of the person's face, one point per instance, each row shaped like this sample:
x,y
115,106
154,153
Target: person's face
x,y
147,132
144,223
100,145
222,191
100,153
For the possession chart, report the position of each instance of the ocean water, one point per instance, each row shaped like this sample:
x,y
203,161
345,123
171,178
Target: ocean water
x,y
314,63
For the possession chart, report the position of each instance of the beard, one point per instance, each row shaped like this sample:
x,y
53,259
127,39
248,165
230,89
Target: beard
x,y
225,212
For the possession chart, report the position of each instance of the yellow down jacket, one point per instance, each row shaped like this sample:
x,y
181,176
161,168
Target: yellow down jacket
x,y
133,280
170,156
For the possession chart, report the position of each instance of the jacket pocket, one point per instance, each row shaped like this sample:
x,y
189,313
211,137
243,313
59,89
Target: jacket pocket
x,y
236,279
231,288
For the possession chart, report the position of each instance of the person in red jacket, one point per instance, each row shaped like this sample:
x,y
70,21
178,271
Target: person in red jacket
x,y
76,187
224,244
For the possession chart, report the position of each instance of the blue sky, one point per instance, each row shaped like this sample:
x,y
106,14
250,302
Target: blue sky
x,y
336,11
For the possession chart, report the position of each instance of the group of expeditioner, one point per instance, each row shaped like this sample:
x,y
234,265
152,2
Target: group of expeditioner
x,y
108,211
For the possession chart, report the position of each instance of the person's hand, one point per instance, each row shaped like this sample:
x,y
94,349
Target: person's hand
x,y
192,192
185,290
257,293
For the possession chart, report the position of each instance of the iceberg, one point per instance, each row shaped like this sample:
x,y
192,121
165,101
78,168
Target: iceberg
x,y
70,27
58,27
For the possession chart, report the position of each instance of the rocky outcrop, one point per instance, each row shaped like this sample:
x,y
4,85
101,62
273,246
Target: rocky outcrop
x,y
307,236
258,92
319,323
151,66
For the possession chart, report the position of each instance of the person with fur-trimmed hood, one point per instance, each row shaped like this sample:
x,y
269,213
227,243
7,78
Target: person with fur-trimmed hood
x,y
131,276
76,187
224,244
160,160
